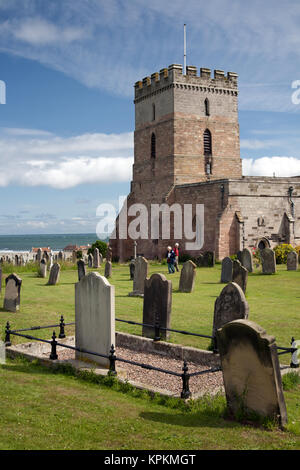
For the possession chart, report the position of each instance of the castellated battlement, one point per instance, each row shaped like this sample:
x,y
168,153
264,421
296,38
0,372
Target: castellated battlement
x,y
173,76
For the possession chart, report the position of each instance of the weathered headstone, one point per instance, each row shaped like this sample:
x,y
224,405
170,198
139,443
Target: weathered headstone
x,y
187,277
108,269
239,256
227,267
240,275
247,260
199,260
90,260
81,269
251,371
39,255
157,305
12,293
60,256
268,260
292,261
94,317
43,268
74,256
140,274
96,257
109,254
230,305
54,274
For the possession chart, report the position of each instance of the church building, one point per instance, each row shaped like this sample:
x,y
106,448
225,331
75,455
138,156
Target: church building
x,y
187,151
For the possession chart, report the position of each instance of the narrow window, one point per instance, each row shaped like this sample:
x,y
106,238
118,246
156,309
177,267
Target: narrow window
x,y
153,146
206,104
207,142
153,112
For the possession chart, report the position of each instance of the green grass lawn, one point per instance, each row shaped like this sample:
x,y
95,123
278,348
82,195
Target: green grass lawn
x,y
45,410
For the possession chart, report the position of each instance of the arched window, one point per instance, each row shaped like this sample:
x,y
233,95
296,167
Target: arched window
x,y
206,104
153,145
207,142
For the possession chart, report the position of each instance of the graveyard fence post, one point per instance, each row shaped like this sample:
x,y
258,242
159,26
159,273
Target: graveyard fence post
x,y
53,354
112,361
185,382
294,361
7,335
62,328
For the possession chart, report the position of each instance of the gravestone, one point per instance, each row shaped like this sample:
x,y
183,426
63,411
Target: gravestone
x,y
46,256
54,274
268,261
81,269
60,256
131,269
187,277
140,274
74,256
239,256
239,275
227,267
43,268
208,259
157,305
199,260
108,269
94,317
247,260
39,255
109,254
230,305
251,370
2,352
292,261
90,260
12,293
96,257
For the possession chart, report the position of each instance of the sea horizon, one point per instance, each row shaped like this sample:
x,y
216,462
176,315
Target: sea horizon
x,y
55,241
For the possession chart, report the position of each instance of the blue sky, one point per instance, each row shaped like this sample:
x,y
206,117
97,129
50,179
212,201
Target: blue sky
x,y
69,66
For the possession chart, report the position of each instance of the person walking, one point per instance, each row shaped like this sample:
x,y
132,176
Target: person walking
x,y
170,260
176,252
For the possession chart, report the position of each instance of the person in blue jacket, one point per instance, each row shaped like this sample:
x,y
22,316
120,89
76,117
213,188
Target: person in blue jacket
x,y
171,260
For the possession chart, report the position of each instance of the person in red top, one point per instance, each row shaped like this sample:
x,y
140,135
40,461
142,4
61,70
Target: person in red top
x,y
176,251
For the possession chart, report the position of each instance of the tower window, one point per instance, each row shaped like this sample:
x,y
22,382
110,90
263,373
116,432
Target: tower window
x,y
206,104
207,142
153,112
153,146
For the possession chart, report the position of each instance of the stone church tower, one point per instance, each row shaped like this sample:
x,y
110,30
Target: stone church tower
x,y
187,151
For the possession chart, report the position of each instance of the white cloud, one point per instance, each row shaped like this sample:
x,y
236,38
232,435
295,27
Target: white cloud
x,y
65,162
268,166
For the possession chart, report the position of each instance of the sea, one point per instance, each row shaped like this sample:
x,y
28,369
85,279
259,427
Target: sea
x,y
56,242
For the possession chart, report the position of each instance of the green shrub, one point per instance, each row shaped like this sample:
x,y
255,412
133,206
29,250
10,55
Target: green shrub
x,y
281,252
101,245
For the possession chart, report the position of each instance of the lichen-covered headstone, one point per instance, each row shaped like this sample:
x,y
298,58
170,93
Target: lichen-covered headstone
x,y
226,272
268,261
239,275
187,277
94,317
230,305
247,260
12,293
157,305
251,371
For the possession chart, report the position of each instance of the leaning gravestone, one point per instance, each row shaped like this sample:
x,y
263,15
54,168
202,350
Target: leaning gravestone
x,y
157,305
247,260
187,277
96,257
12,293
251,370
54,274
140,274
226,273
268,261
230,305
43,268
292,261
240,275
94,317
108,269
81,269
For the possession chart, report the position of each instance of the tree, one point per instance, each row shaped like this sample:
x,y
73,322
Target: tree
x,y
101,245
